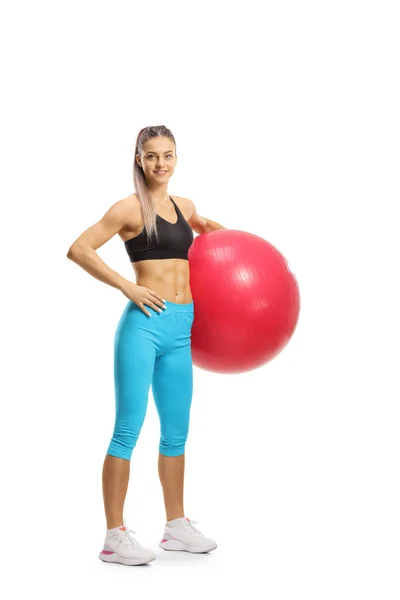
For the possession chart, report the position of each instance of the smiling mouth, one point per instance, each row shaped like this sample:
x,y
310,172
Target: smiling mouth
x,y
160,172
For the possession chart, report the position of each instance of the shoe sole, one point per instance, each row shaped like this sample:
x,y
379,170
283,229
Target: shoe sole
x,y
177,545
112,557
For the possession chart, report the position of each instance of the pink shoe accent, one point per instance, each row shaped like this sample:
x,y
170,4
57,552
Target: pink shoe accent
x,y
187,519
106,552
164,540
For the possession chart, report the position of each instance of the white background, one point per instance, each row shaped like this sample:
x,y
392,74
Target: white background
x,y
286,118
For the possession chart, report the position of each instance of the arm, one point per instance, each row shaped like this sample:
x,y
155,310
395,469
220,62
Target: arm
x,y
83,250
201,224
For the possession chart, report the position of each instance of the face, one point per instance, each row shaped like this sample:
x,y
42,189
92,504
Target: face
x,y
158,154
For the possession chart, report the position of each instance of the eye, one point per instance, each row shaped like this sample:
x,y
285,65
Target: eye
x,y
168,156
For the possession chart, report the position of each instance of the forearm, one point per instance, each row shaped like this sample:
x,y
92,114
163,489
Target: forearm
x,y
213,226
90,261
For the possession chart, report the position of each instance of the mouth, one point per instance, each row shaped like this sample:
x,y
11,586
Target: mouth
x,y
160,172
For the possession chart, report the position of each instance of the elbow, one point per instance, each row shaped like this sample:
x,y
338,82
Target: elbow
x,y
73,251
78,249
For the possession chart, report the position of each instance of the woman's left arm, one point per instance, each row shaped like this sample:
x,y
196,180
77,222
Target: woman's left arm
x,y
201,224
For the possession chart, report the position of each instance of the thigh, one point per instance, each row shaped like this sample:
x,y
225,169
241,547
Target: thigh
x,y
172,388
134,360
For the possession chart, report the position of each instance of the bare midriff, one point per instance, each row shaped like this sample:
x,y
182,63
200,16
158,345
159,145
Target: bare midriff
x,y
168,277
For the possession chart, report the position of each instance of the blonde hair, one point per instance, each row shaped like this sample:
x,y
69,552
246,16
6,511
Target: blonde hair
x,y
139,181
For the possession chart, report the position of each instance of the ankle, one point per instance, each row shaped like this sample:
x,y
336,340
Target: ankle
x,y
113,525
176,516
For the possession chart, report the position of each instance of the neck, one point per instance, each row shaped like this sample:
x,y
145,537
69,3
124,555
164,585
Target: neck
x,y
159,193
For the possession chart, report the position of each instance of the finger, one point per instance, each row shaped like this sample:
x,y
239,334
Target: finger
x,y
144,310
157,296
153,305
158,300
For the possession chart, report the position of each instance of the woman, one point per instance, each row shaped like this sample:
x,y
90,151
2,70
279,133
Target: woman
x,y
152,340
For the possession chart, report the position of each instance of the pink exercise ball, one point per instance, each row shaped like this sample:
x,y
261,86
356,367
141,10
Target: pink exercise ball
x,y
246,301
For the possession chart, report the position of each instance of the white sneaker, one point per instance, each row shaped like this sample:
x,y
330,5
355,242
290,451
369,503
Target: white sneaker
x,y
181,535
121,547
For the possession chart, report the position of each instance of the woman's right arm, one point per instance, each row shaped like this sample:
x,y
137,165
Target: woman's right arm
x,y
83,250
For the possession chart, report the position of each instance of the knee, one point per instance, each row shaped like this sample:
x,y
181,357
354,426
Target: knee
x,y
173,446
122,443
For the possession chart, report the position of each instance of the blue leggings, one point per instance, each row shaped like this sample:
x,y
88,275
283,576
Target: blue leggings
x,y
153,350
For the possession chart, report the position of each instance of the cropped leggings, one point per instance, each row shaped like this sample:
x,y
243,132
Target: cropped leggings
x,y
153,351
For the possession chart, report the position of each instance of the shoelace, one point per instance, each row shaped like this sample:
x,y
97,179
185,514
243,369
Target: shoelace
x,y
189,524
126,539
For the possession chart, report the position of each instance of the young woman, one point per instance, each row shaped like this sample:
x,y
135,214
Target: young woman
x,y
152,340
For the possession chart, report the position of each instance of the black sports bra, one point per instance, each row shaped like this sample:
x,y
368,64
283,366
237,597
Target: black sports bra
x,y
174,240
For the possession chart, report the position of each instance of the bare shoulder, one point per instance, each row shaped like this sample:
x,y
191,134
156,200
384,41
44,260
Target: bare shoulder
x,y
132,216
118,217
121,208
129,203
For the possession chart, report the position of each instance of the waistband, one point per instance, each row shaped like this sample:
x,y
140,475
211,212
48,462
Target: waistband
x,y
188,307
